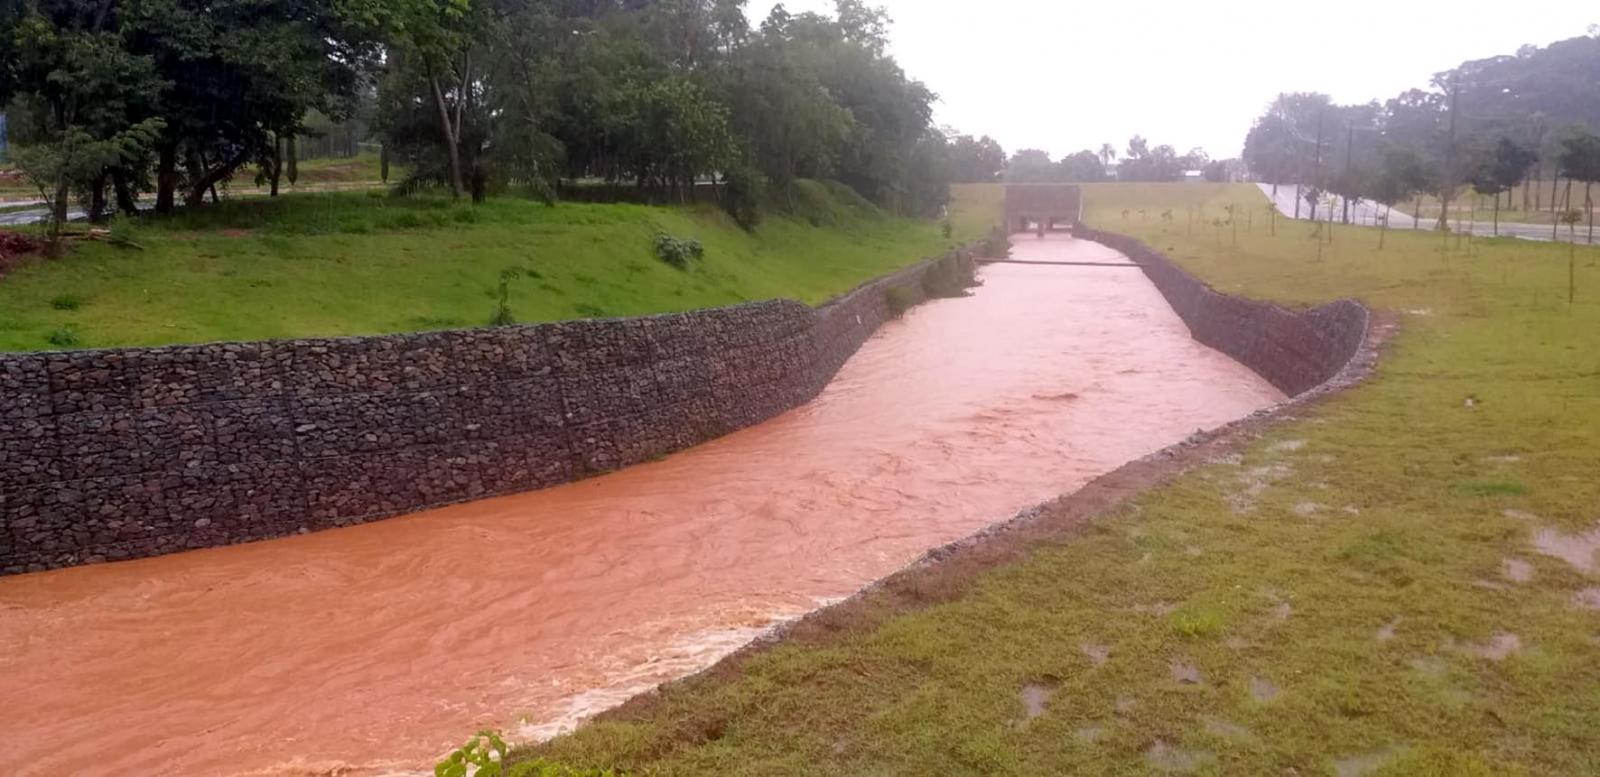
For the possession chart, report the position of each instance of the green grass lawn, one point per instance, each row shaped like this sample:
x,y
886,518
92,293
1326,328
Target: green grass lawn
x,y
341,264
1466,202
1358,592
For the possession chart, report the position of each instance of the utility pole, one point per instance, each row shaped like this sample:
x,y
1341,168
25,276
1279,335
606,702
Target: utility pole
x,y
1316,170
1349,149
1450,154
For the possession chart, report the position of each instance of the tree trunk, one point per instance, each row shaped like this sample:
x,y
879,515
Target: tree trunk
x,y
97,197
209,177
124,190
1416,219
1566,205
275,165
58,207
1450,155
167,177
452,146
291,160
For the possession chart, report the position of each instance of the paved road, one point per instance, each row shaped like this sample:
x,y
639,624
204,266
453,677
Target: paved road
x,y
33,216
1369,214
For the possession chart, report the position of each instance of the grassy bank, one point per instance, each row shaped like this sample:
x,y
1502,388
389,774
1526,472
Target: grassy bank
x,y
339,264
1359,592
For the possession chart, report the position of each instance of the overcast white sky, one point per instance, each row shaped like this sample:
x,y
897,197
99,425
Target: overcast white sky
x,y
1185,73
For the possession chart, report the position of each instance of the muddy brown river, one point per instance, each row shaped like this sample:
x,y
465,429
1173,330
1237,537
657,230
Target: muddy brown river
x,y
374,649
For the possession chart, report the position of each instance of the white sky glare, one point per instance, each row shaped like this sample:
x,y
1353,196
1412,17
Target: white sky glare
x,y
1184,73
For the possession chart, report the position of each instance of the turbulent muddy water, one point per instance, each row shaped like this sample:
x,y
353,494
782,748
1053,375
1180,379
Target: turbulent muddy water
x,y
374,649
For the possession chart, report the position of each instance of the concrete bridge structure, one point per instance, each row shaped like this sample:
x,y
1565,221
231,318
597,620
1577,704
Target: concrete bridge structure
x,y
1042,208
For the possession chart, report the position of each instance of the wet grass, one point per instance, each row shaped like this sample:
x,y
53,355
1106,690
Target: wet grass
x,y
1339,587
339,264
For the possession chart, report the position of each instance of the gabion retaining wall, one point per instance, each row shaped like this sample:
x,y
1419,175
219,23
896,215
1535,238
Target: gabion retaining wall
x,y
1294,351
119,454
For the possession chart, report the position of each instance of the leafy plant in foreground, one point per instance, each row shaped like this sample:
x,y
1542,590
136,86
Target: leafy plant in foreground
x,y
484,755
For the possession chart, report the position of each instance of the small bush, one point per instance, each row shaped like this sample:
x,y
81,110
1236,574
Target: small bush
x,y
947,229
899,299
65,337
485,755
949,278
996,246
66,302
746,189
502,310
678,252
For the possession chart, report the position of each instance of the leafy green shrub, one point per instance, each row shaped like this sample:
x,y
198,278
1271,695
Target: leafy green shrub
x,y
502,310
66,302
484,755
677,251
995,246
899,299
947,279
746,189
65,337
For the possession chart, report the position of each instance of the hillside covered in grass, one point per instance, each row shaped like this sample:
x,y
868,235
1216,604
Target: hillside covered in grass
x,y
311,265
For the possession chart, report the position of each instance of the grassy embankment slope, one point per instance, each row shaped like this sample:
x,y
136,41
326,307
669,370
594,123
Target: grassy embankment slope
x,y
1358,592
339,264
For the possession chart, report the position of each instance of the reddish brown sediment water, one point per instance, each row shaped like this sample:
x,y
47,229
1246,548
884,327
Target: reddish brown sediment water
x,y
374,649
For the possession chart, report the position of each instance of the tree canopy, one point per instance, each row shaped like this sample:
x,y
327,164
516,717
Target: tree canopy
x,y
481,95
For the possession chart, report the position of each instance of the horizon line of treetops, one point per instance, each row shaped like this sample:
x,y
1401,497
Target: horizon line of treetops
x,y
111,100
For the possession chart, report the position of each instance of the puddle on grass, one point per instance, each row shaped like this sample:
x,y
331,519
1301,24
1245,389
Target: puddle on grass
x,y
1576,549
1263,689
1186,673
1233,732
1164,757
1366,763
1499,647
1036,698
1588,598
1097,654
1516,570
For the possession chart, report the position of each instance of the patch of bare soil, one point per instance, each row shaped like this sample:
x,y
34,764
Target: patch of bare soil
x,y
950,572
15,247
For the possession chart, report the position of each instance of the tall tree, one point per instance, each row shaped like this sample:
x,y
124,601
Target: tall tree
x,y
1499,171
1580,161
239,73
69,61
1031,165
979,160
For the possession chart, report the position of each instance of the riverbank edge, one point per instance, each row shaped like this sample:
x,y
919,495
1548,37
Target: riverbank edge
x,y
113,455
946,573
